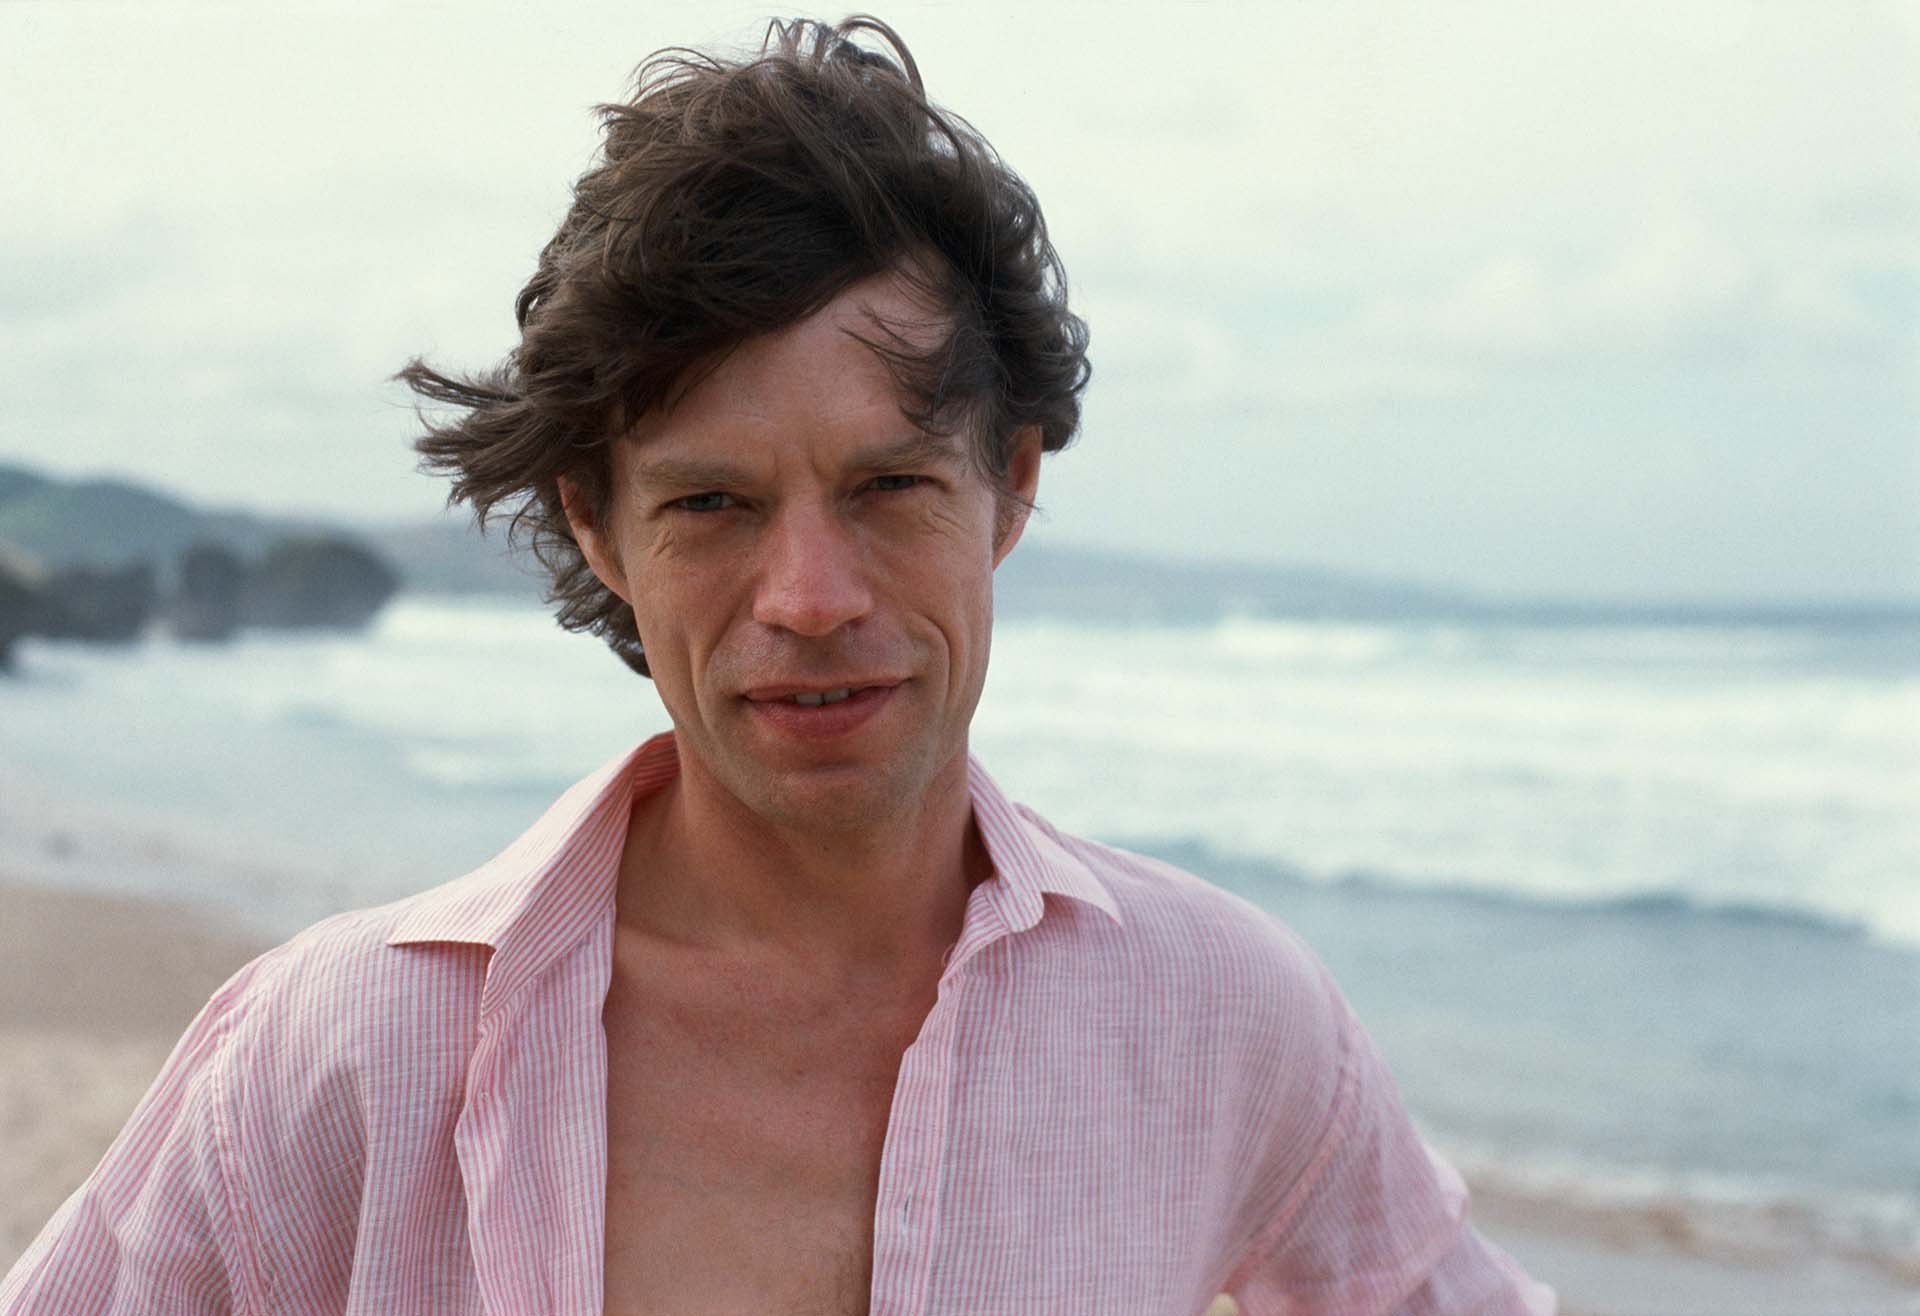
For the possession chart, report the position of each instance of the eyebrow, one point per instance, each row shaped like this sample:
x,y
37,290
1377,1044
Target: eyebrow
x,y
916,449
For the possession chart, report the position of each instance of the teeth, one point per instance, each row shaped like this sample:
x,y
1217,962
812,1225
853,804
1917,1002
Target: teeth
x,y
827,697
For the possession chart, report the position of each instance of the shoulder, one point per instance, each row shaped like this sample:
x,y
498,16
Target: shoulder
x,y
1231,993
1238,966
340,1056
341,978
1164,909
318,1021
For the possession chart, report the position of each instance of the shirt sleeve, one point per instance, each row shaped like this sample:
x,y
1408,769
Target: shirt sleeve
x,y
1377,1223
156,1228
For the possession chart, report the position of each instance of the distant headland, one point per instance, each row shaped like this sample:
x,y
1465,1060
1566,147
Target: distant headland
x,y
105,560
108,559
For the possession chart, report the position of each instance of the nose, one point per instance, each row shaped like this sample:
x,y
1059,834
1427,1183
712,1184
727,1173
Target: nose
x,y
813,579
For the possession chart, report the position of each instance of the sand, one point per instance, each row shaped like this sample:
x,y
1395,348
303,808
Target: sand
x,y
1650,1262
94,990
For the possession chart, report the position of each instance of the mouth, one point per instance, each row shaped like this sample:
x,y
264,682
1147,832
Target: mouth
x,y
816,696
820,712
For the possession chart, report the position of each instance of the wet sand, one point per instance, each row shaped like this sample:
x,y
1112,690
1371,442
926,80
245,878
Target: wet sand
x,y
94,990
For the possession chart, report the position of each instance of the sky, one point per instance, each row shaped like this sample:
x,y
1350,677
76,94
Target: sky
x,y
1611,301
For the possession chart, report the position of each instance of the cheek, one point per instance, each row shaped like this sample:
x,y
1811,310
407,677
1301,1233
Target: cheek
x,y
948,600
664,579
950,552
688,602
944,545
962,524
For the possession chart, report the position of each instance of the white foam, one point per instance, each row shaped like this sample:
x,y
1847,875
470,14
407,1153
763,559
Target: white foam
x,y
1728,765
1429,755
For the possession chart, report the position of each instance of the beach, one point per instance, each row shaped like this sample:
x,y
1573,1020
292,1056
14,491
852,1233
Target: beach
x,y
1629,911
95,988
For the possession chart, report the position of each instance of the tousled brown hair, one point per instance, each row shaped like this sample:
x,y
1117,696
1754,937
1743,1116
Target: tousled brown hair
x,y
736,197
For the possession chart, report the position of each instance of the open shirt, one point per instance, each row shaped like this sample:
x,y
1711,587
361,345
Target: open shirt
x,y
1134,1091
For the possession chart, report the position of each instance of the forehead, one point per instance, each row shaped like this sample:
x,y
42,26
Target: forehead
x,y
819,381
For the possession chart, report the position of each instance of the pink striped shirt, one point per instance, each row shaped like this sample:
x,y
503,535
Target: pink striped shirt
x,y
1134,1091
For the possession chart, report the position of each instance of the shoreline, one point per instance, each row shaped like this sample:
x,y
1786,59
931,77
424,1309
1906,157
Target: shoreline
x,y
96,987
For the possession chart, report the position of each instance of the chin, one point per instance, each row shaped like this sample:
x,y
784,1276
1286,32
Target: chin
x,y
833,798
841,800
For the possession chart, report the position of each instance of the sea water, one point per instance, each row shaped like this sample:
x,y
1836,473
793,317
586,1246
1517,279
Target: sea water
x,y
1633,912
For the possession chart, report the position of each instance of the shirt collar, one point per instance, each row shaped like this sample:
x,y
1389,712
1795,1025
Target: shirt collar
x,y
558,879
538,897
1029,859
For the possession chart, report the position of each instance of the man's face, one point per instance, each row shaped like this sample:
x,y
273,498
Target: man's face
x,y
785,535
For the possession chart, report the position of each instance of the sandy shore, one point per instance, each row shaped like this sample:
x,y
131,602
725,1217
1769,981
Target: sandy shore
x,y
93,992
95,989
1611,1262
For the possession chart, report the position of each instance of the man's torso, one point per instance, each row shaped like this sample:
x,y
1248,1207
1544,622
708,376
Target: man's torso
x,y
1131,1088
746,1114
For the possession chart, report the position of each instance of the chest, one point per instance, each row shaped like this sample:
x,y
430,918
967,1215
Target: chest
x,y
745,1125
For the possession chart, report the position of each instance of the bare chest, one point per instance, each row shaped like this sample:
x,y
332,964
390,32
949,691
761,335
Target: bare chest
x,y
745,1124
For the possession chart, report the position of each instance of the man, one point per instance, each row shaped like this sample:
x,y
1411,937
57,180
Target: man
x,y
790,1010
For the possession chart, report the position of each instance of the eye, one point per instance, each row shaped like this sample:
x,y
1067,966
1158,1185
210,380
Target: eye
x,y
894,483
703,502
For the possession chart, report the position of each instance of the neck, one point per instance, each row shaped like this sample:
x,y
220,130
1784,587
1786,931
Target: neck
x,y
884,902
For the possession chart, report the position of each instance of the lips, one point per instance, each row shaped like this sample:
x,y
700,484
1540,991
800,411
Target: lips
x,y
819,712
817,694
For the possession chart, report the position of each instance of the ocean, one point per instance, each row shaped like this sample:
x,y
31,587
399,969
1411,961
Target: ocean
x,y
1632,911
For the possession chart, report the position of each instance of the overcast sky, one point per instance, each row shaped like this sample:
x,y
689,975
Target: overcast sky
x,y
1544,298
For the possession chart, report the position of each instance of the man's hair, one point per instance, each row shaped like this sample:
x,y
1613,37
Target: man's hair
x,y
736,197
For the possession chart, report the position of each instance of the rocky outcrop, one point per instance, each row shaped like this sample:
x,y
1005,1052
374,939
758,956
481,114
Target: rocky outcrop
x,y
98,560
304,581
317,580
107,604
212,590
20,605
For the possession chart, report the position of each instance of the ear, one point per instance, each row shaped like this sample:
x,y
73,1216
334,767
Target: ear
x,y
597,546
1015,496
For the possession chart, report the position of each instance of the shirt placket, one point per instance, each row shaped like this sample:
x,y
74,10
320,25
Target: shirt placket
x,y
906,1221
